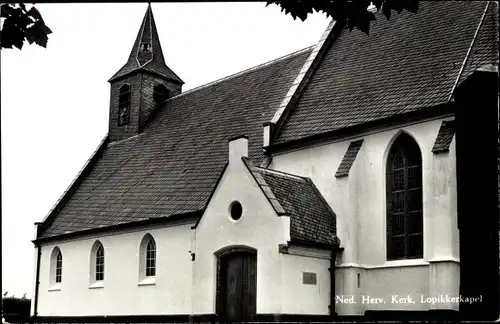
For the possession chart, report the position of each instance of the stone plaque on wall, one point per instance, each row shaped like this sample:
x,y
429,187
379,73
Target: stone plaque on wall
x,y
308,278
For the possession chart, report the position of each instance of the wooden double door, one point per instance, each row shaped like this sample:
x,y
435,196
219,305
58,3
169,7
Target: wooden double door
x,y
237,286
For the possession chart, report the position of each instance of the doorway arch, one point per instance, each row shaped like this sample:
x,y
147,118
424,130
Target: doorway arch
x,y
236,292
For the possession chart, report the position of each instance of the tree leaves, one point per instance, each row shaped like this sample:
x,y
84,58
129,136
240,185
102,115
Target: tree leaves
x,y
21,24
296,8
33,12
15,309
352,12
38,33
12,35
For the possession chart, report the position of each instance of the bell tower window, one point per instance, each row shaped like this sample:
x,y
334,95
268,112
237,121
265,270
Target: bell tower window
x,y
160,94
124,105
145,47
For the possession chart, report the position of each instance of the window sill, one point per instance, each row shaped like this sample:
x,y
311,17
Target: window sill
x,y
96,285
56,287
404,263
387,264
149,281
444,259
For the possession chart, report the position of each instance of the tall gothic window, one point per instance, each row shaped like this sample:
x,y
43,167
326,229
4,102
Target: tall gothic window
x,y
124,105
99,263
59,267
56,266
151,258
404,200
147,258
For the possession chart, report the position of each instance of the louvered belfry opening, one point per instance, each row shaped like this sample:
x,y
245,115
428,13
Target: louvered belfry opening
x,y
144,55
160,94
404,200
124,105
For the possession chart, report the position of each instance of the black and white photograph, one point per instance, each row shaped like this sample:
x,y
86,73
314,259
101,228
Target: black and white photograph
x,y
283,161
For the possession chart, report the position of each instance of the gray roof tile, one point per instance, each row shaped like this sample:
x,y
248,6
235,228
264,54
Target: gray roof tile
x,y
485,48
311,218
172,167
444,137
409,62
348,159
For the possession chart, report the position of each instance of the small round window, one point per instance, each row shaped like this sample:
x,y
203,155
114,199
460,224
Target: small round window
x,y
235,210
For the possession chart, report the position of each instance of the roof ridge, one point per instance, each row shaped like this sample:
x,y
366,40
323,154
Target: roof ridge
x,y
261,182
469,50
256,67
274,126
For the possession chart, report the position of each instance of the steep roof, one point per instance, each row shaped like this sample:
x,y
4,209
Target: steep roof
x,y
151,60
172,167
410,62
311,218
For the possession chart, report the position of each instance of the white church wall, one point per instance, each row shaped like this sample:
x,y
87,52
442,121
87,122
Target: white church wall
x,y
381,288
299,297
183,286
259,227
122,292
359,203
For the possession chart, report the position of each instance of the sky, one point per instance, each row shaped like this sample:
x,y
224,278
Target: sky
x,y
55,101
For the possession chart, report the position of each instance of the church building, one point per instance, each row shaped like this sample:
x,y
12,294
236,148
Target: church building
x,y
343,180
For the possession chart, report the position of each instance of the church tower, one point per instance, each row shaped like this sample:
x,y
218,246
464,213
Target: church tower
x,y
141,85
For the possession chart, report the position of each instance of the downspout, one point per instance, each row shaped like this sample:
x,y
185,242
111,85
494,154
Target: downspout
x,y
37,281
332,283
335,250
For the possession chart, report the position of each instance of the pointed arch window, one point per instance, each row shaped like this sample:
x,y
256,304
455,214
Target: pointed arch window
x,y
147,262
59,267
56,267
151,258
97,264
124,105
404,200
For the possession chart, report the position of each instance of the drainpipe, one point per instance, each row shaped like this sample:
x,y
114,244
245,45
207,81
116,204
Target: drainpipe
x,y
37,280
37,273
332,281
335,250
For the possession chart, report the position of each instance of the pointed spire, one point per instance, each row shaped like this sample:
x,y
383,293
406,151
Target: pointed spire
x,y
146,53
